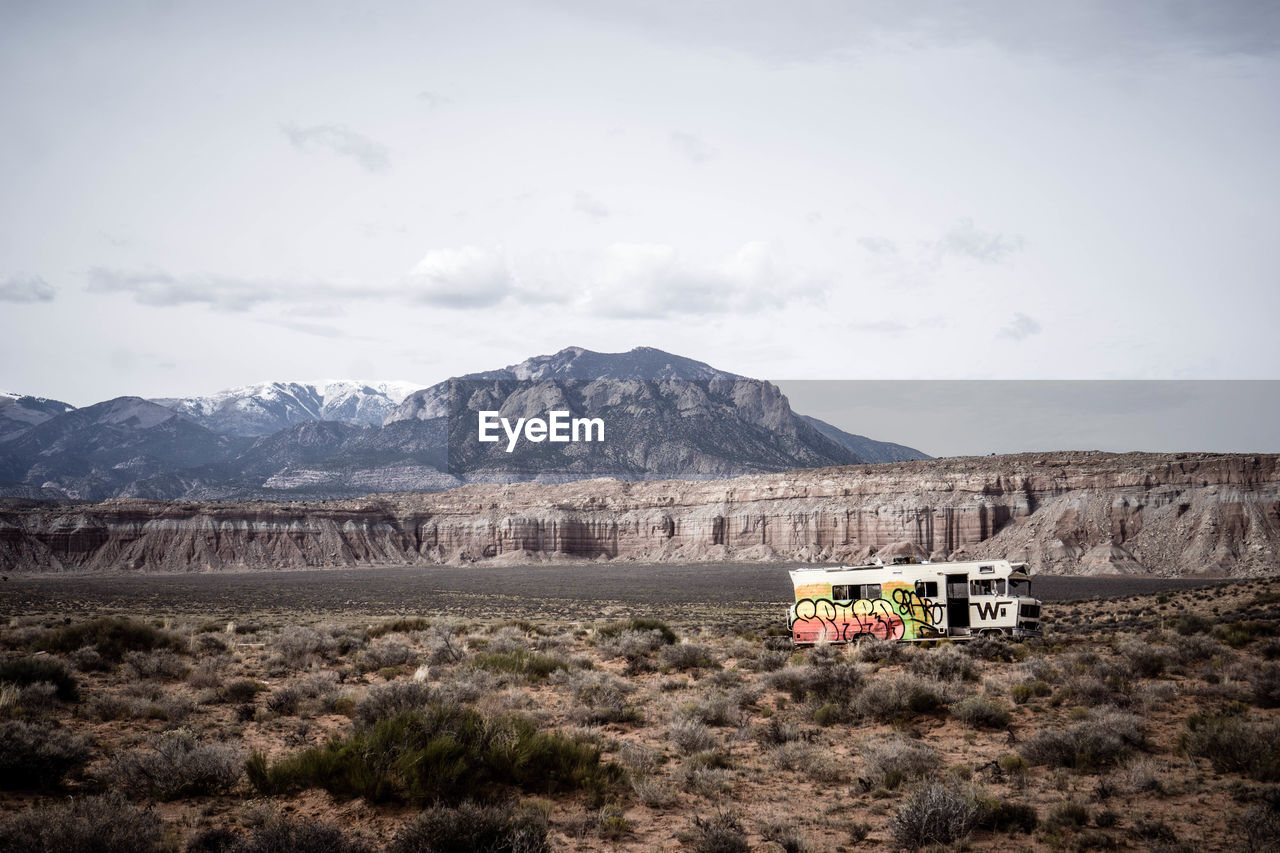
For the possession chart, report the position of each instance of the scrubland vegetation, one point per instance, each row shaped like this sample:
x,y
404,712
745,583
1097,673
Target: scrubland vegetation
x,y
1147,723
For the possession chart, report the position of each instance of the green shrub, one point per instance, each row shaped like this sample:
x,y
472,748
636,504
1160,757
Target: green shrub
x,y
242,690
1238,634
33,670
112,637
1068,813
982,713
1192,623
443,752
1265,685
1234,745
522,662
39,756
1024,692
1000,816
83,825
402,625
642,624
470,827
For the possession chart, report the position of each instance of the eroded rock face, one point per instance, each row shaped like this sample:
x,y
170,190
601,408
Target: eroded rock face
x,y
1168,514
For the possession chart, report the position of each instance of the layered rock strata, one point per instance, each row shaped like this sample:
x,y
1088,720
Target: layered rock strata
x,y
1077,512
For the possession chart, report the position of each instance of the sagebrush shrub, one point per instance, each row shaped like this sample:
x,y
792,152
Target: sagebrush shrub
x,y
933,814
33,670
161,663
389,700
691,736
472,826
38,755
684,656
111,637
83,825
1102,739
176,765
888,698
279,835
299,645
895,760
947,663
718,833
387,653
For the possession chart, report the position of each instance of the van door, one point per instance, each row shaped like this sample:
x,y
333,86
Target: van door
x,y
958,603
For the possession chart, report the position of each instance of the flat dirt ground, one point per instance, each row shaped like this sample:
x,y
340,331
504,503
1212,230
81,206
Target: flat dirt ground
x,y
623,707
575,590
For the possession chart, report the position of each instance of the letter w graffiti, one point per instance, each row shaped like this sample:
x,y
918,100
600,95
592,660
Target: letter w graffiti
x,y
987,609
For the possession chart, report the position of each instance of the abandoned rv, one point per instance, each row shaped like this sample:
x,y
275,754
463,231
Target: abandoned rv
x,y
913,601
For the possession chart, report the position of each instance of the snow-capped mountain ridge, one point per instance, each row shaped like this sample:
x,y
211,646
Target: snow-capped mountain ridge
x,y
266,407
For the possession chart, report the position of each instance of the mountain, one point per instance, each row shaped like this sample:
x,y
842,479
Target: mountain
x,y
20,412
666,416
663,416
266,408
868,448
98,451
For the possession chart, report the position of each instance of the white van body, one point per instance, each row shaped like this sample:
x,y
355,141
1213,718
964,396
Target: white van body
x,y
913,601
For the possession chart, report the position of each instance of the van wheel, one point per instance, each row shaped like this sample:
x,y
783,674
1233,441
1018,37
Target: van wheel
x,y
862,639
991,632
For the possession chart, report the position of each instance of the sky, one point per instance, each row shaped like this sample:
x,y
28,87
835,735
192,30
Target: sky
x,y
980,417
198,195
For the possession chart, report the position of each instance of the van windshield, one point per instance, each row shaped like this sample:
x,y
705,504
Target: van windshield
x,y
1020,586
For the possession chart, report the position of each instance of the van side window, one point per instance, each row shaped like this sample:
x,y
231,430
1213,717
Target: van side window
x,y
853,591
930,589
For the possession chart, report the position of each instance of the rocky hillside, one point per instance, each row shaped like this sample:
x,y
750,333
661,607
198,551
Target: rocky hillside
x,y
20,412
1166,514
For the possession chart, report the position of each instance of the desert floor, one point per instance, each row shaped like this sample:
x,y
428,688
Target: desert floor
x,y
509,710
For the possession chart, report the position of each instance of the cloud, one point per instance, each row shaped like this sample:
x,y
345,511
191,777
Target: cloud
x,y
988,247
1019,328
222,293
654,281
589,206
636,280
371,155
434,100
317,329
878,245
26,288
460,278
692,147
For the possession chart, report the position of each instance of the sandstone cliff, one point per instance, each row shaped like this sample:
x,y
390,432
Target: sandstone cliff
x,y
1166,514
